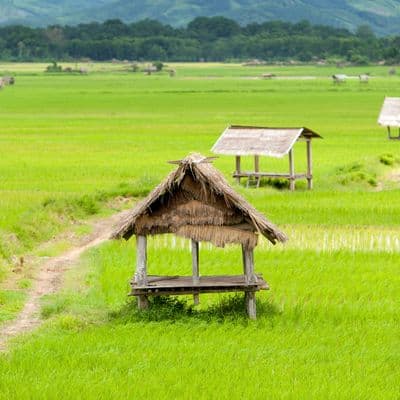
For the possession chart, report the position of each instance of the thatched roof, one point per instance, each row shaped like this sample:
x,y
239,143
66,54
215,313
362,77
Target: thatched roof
x,y
195,201
253,140
390,112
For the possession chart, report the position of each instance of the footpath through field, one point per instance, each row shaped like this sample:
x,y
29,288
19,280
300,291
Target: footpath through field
x,y
49,278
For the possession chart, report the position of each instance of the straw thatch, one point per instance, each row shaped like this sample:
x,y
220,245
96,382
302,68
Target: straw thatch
x,y
262,141
195,201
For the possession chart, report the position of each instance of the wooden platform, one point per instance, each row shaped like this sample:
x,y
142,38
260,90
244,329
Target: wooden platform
x,y
258,175
175,285
267,175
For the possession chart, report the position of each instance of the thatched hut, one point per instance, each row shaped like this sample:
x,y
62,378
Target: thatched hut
x,y
196,202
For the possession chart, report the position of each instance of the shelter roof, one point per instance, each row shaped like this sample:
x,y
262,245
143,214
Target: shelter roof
x,y
390,112
253,140
196,201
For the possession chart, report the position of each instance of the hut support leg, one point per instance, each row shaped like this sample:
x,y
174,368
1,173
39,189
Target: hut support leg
x,y
257,169
195,268
292,181
248,267
251,309
141,269
309,165
238,168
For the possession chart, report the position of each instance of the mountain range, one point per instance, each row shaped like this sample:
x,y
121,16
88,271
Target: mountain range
x,y
382,15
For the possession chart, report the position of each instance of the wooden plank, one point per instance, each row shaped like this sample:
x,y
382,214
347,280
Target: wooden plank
x,y
195,268
292,182
154,292
309,165
141,268
155,281
269,175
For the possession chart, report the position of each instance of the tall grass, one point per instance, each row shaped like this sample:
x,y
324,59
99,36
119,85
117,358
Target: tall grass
x,y
327,329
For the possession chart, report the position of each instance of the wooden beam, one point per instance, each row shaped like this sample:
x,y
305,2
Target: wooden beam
x,y
309,165
250,277
292,181
195,268
237,168
141,269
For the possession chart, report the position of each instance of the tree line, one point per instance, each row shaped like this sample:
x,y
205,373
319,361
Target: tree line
x,y
203,39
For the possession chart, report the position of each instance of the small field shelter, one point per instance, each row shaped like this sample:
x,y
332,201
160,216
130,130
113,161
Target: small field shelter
x,y
257,141
390,116
196,202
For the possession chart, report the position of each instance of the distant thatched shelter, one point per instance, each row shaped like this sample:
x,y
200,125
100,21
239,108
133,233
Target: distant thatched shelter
x,y
258,141
390,115
195,201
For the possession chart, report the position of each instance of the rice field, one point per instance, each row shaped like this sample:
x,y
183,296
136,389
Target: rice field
x,y
327,329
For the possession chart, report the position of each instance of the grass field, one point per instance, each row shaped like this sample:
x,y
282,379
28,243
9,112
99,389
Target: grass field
x,y
329,326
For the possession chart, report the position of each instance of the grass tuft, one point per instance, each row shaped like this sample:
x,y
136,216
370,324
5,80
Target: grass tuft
x,y
356,173
388,159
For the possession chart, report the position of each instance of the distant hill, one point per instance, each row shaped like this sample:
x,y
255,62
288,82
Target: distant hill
x,y
382,15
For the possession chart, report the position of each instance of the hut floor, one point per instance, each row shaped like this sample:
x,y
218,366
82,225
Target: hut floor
x,y
175,285
267,175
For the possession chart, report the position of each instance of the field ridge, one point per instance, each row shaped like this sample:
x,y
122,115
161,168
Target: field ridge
x,y
50,275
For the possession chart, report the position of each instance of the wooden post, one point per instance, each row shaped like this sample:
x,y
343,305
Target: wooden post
x,y
388,130
141,269
238,168
248,267
309,165
195,268
251,307
257,168
292,182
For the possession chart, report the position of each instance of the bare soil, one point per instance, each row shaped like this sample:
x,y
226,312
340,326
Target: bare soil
x,y
49,278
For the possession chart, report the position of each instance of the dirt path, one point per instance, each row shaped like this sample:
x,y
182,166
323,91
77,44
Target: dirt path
x,y
49,279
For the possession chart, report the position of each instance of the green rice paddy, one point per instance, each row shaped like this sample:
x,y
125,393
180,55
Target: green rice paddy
x,y
327,329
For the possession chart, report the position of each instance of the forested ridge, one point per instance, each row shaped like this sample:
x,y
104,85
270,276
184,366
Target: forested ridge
x,y
382,15
203,39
